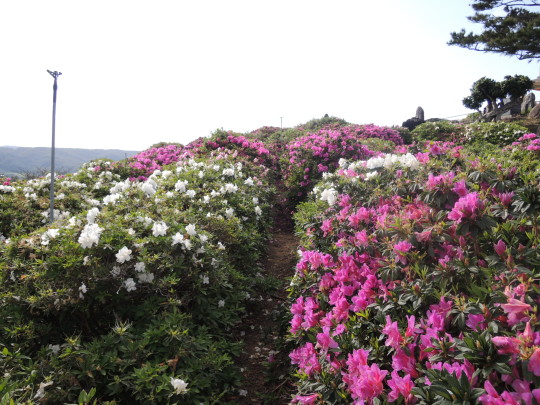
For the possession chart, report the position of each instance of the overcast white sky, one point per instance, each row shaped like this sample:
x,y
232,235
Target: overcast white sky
x,y
135,73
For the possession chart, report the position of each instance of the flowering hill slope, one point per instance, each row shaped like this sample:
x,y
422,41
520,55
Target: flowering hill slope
x,y
417,280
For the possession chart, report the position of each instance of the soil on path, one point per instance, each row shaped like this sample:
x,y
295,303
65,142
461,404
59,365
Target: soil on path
x,y
262,325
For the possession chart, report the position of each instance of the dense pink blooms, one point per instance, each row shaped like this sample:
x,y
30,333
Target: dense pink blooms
x,y
367,383
467,207
400,249
401,387
391,329
306,358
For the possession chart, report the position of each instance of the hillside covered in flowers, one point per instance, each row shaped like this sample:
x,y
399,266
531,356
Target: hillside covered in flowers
x,y
417,277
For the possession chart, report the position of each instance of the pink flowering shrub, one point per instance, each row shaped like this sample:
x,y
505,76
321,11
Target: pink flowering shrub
x,y
418,282
145,163
309,156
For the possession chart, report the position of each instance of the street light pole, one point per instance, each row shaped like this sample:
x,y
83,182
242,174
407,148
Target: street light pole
x,y
54,74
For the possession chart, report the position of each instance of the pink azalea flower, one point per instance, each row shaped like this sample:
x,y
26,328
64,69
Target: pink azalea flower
x,y
401,387
460,188
306,358
399,249
476,322
368,384
392,331
424,236
500,248
467,207
325,341
516,311
326,226
506,345
534,362
401,361
357,359
305,399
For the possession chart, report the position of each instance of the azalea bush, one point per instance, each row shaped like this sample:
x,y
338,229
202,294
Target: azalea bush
x,y
497,133
437,131
133,290
309,156
417,282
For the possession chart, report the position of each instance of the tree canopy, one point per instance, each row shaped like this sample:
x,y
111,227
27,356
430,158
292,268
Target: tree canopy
x,y
489,90
510,27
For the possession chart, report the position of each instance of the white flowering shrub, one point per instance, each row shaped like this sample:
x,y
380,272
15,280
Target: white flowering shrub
x,y
135,286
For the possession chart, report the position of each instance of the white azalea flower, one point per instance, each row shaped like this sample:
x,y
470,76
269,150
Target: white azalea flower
x,y
159,229
228,172
90,235
177,238
329,195
180,386
140,267
190,229
130,285
145,277
123,255
180,186
149,188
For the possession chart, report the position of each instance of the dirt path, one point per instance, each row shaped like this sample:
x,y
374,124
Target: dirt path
x,y
263,326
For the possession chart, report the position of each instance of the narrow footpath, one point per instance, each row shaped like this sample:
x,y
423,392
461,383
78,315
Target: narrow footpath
x,y
264,365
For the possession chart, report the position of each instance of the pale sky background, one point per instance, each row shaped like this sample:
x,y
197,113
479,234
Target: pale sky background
x,y
135,73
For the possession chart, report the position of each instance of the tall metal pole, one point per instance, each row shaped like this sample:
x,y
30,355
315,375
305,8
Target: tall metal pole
x,y
54,74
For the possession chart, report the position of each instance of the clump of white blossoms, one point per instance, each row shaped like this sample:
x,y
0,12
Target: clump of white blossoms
x,y
329,195
407,160
180,186
179,385
145,277
178,238
228,172
140,267
258,210
123,255
149,187
159,229
130,285
92,215
7,189
230,188
47,236
370,175
190,229
90,235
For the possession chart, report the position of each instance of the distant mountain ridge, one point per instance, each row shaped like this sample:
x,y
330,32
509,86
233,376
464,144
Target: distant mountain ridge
x,y
18,160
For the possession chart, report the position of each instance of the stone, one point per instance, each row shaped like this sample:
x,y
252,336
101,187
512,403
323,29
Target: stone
x,y
528,103
535,112
420,114
412,123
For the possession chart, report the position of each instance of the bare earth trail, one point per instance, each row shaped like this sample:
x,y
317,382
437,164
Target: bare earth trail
x,y
262,326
